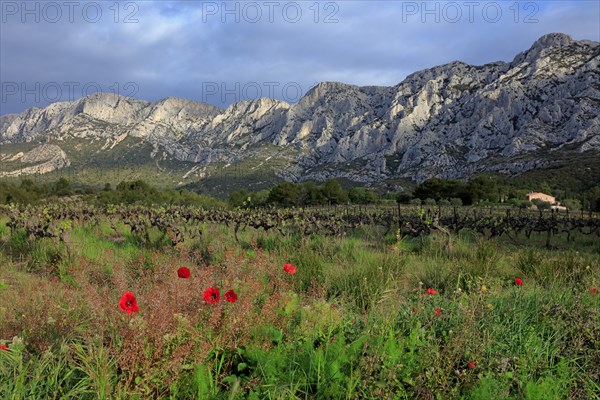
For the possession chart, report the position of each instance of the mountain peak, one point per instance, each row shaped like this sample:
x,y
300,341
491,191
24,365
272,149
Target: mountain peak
x,y
542,45
330,86
552,40
107,97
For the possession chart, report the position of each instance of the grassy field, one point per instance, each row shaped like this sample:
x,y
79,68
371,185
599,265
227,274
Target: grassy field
x,y
359,318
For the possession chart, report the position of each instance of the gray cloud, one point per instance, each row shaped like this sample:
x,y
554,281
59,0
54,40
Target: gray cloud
x,y
179,48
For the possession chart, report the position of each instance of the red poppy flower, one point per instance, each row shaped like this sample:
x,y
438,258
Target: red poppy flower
x,y
431,291
471,365
211,295
594,291
230,296
289,268
518,281
183,272
128,303
4,347
438,312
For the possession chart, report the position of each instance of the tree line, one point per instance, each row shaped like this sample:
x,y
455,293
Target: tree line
x,y
435,191
126,192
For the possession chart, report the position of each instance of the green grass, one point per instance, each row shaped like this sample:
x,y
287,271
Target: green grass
x,y
354,322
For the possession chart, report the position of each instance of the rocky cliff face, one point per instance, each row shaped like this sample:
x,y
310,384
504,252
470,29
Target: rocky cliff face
x,y
451,121
43,159
106,115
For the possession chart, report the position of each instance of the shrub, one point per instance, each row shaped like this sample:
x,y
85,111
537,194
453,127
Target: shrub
x,y
572,204
541,205
403,198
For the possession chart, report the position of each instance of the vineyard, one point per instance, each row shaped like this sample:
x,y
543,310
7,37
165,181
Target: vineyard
x,y
352,302
180,222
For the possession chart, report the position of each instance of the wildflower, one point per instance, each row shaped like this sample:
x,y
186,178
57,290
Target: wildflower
x,y
230,296
518,281
438,312
431,291
4,347
289,268
594,291
183,272
128,303
490,306
211,295
483,288
471,365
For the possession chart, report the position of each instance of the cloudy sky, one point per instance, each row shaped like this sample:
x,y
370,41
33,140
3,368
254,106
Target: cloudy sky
x,y
225,51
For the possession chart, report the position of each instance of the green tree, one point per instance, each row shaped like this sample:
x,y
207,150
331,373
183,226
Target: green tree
x,y
10,193
519,203
313,194
260,198
431,188
245,199
238,198
437,189
541,205
545,188
135,186
62,187
591,199
358,195
28,185
135,192
403,198
287,194
572,204
334,193
482,188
